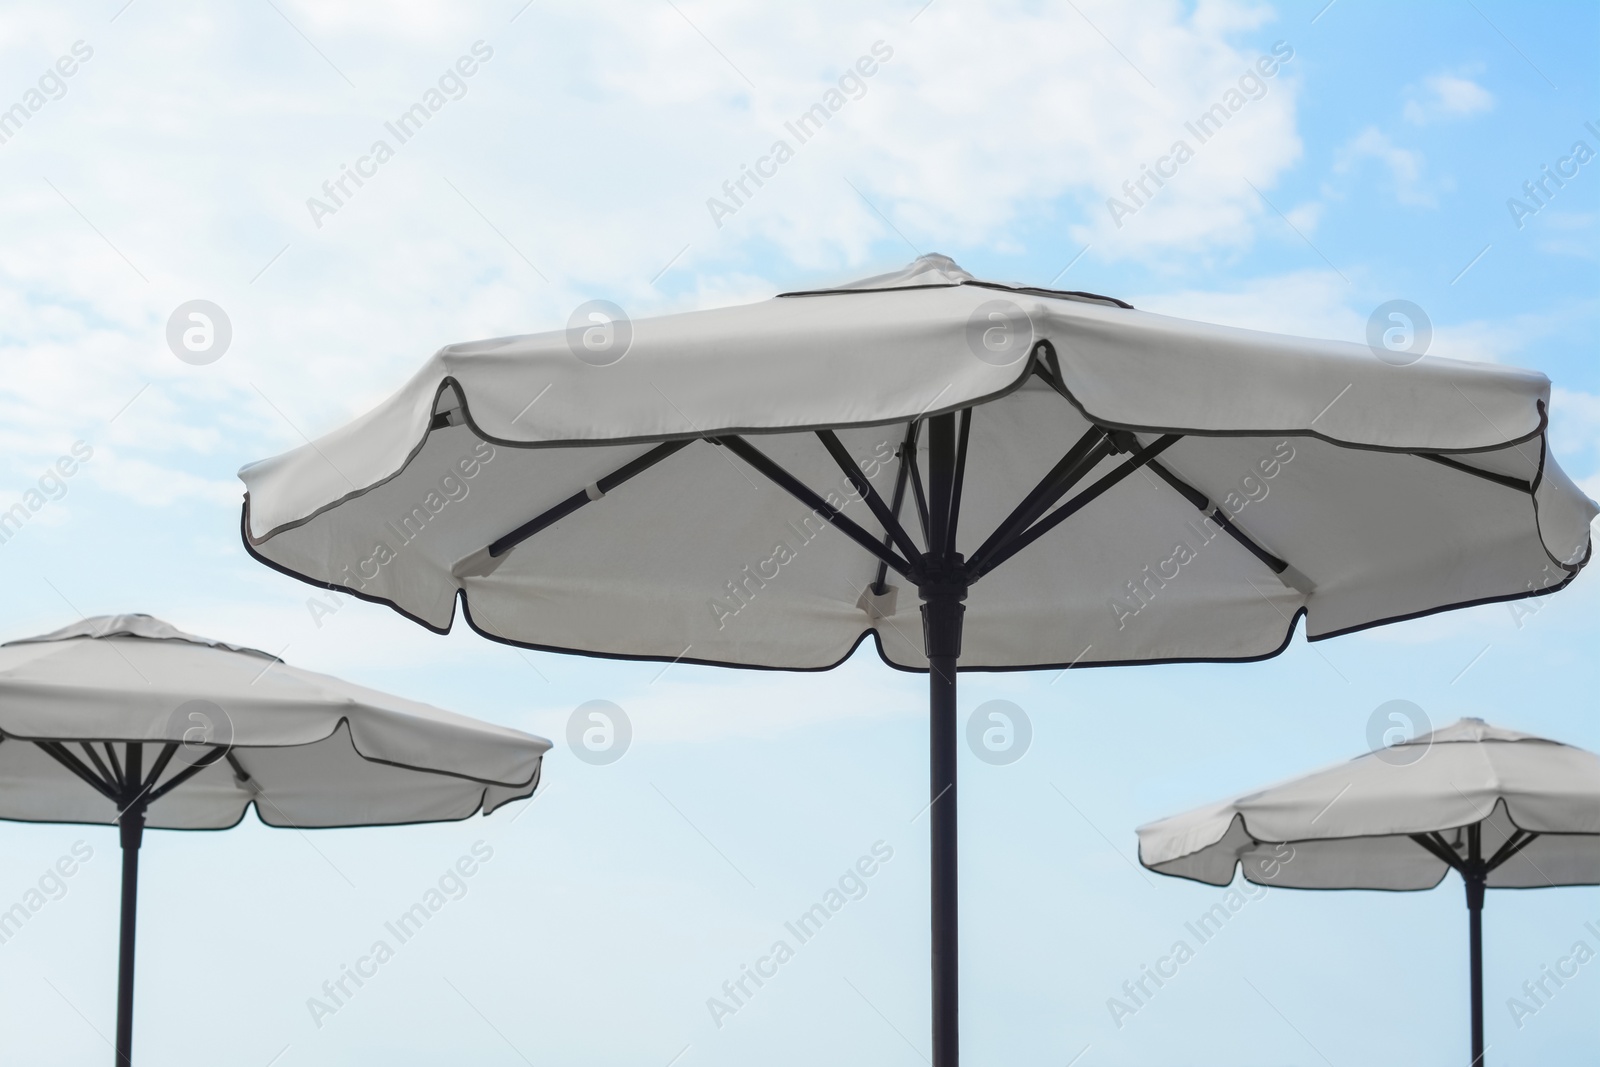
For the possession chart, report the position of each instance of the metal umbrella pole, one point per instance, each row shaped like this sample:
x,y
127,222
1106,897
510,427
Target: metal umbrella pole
x,y
71,711
125,784
131,826
942,576
1474,869
943,588
1475,889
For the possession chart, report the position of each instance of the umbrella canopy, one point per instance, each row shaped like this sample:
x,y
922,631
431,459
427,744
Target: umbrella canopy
x,y
1360,487
319,752
125,720
1504,809
1046,478
1354,824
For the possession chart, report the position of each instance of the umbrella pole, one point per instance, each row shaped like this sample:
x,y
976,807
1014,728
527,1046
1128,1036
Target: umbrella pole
x,y
131,824
1475,923
943,587
1475,873
942,634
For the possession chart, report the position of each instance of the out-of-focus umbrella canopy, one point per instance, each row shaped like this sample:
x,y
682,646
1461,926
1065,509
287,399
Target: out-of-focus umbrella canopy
x,y
128,721
1352,825
1366,492
317,751
1503,809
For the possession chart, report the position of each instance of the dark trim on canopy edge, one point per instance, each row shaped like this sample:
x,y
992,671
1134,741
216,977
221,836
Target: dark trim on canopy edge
x,y
449,382
1064,390
1502,599
343,720
250,549
873,633
252,803
562,650
1042,348
1238,865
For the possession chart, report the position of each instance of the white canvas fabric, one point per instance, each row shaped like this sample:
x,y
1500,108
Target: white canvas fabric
x,y
1348,826
1325,455
318,752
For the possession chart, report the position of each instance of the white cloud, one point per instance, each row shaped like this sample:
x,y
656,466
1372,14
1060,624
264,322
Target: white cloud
x,y
1575,434
1567,233
1311,303
1514,339
1305,217
155,485
1405,165
1447,96
576,163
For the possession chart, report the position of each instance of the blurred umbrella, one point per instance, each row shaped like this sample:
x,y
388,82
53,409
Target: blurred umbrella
x,y
1504,810
123,720
629,489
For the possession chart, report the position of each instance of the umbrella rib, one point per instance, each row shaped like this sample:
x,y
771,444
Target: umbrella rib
x,y
168,750
941,481
863,486
94,757
963,435
1022,540
1489,476
806,495
1515,844
187,773
1079,460
240,775
878,586
1441,851
1218,516
62,755
917,492
638,465
116,765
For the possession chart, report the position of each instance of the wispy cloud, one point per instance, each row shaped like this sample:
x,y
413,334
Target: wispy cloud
x,y
1405,165
1447,96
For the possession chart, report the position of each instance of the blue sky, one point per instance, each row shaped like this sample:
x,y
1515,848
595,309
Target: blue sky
x,y
576,162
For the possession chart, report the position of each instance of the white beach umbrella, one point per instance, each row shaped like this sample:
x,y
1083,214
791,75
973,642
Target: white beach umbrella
x,y
1505,810
124,720
1047,479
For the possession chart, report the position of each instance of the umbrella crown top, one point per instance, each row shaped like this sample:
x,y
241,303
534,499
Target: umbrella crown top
x,y
1473,729
138,625
930,269
933,271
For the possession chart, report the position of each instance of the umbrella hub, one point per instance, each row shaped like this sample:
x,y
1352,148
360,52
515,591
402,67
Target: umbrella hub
x,y
131,826
942,576
1475,886
942,586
